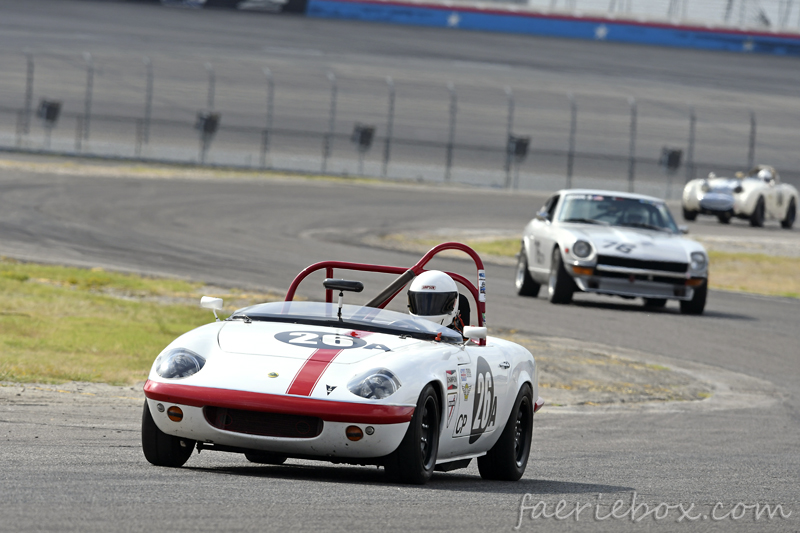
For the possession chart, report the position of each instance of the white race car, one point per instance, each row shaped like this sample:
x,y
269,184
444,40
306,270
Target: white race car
x,y
756,196
611,243
346,383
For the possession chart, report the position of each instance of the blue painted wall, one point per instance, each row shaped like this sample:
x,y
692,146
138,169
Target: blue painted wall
x,y
556,26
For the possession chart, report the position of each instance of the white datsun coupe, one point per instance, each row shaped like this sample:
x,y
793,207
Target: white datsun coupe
x,y
756,196
346,383
611,243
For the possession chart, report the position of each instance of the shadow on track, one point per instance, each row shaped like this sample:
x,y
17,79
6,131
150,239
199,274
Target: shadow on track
x,y
450,481
667,311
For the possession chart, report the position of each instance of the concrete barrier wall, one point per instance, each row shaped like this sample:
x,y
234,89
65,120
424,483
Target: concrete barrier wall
x,y
519,20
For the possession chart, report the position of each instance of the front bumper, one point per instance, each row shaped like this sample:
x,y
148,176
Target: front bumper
x,y
636,283
214,416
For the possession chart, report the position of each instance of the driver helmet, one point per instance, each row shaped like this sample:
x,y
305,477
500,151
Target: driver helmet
x,y
765,174
433,295
636,215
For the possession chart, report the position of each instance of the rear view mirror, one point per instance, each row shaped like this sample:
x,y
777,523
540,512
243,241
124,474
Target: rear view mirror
x,y
475,332
209,302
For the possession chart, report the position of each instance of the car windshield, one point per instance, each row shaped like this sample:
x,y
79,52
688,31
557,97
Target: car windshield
x,y
353,316
617,211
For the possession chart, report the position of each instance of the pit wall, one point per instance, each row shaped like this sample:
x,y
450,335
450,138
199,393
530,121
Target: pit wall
x,y
523,21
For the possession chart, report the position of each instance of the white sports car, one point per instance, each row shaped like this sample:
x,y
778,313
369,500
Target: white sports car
x,y
346,383
756,196
611,243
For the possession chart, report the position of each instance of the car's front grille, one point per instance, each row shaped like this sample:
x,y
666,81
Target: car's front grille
x,y
663,266
642,277
264,424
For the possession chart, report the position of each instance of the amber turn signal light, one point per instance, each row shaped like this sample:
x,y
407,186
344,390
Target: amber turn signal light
x,y
583,271
354,433
175,414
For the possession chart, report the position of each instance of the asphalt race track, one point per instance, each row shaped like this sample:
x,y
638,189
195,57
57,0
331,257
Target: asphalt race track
x,y
77,466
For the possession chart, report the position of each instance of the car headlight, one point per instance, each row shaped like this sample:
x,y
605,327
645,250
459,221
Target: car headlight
x,y
179,363
699,261
582,249
376,384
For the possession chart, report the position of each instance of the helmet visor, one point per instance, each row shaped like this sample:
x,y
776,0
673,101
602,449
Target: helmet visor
x,y
431,303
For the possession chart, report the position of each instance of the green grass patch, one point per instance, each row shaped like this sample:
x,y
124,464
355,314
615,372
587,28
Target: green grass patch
x,y
62,324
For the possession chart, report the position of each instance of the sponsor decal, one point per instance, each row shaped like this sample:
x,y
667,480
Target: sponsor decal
x,y
273,374
378,347
320,341
481,275
452,399
330,389
461,423
484,407
466,373
452,380
429,287
482,290
465,388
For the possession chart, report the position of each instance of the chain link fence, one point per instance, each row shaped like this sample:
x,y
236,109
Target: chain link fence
x,y
327,123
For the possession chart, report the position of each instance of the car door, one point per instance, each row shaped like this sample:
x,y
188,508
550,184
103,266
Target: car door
x,y
483,385
541,239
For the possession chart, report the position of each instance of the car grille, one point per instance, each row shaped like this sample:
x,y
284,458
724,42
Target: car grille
x,y
642,277
663,266
264,424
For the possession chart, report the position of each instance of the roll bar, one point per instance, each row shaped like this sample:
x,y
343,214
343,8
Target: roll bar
x,y
405,276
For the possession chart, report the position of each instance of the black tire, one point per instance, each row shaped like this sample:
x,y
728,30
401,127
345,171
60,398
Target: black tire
x,y
508,458
757,217
265,458
791,214
655,302
560,285
162,449
523,280
725,218
414,460
697,304
689,215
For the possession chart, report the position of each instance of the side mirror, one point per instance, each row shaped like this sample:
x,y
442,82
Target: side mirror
x,y
209,302
475,332
543,216
683,229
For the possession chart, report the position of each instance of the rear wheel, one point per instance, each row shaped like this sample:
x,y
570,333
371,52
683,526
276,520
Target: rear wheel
x,y
509,456
560,286
523,281
791,214
697,304
655,302
757,217
689,215
162,449
415,459
265,458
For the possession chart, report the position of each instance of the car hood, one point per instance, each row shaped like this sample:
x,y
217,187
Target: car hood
x,y
297,341
637,243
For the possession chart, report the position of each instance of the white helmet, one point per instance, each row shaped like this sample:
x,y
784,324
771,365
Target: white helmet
x,y
765,174
433,295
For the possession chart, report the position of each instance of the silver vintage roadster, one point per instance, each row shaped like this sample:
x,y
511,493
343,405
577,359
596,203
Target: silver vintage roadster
x,y
611,243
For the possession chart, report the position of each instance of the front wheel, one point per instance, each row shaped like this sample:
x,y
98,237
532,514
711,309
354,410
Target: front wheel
x,y
757,217
791,214
689,215
697,304
414,460
560,285
509,456
523,281
162,449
